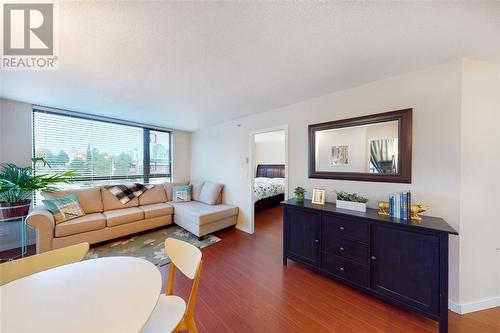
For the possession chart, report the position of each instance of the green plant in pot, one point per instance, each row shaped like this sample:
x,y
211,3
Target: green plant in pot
x,y
299,193
351,201
17,185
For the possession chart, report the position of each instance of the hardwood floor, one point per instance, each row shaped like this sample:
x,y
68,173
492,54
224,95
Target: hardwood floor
x,y
245,288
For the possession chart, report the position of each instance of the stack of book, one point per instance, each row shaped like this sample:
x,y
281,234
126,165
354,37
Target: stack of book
x,y
400,205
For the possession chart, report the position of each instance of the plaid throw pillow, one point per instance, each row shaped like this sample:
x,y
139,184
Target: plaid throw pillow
x,y
64,208
127,192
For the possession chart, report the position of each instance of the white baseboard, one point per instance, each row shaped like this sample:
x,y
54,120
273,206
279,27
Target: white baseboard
x,y
483,304
242,228
453,306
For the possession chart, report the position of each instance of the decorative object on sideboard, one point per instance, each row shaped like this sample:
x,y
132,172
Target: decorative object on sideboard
x,y
351,201
17,185
299,194
400,206
383,208
318,196
416,209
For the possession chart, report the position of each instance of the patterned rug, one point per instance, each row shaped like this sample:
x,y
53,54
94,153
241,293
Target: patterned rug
x,y
149,246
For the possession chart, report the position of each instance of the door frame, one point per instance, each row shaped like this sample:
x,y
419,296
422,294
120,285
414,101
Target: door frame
x,y
252,170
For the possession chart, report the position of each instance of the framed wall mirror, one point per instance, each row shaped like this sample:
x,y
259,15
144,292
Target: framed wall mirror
x,y
370,148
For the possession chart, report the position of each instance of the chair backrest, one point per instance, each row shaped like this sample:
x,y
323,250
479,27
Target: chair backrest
x,y
186,257
19,268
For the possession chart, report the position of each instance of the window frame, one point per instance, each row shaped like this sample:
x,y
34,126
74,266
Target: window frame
x,y
146,176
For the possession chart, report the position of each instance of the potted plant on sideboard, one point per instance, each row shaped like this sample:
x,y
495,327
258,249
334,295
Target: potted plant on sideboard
x,y
17,185
351,201
299,193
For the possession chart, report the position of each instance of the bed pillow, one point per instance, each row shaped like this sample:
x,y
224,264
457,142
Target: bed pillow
x,y
181,193
261,179
210,193
64,208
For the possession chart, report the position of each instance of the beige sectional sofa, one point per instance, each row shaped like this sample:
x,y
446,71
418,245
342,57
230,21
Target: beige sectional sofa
x,y
107,218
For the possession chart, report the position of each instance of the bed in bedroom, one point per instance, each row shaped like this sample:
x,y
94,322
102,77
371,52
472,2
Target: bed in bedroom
x,y
269,186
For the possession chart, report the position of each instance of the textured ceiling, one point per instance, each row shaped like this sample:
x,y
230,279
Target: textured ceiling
x,y
187,65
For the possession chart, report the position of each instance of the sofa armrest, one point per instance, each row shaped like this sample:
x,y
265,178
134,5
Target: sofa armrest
x,y
43,222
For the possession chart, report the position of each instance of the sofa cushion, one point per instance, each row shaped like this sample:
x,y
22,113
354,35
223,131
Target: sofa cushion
x,y
65,208
210,193
154,195
90,198
122,216
156,210
170,186
203,213
110,202
196,186
81,224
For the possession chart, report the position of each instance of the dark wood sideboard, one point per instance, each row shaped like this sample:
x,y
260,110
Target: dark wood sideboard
x,y
402,262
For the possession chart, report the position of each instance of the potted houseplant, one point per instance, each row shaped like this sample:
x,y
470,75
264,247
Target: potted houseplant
x,y
351,201
17,185
299,194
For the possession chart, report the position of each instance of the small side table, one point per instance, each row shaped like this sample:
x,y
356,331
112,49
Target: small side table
x,y
24,246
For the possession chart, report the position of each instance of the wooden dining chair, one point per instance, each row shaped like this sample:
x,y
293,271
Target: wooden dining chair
x,y
16,269
187,259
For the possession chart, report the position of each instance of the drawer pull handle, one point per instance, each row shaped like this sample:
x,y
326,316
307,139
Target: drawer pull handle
x,y
342,269
374,258
316,240
341,248
342,228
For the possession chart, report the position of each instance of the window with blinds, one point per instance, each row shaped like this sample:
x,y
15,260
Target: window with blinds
x,y
100,152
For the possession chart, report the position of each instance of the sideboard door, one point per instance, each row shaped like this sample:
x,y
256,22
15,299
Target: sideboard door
x,y
405,266
303,228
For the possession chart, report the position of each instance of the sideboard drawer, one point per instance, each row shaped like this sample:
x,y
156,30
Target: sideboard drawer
x,y
355,251
346,269
334,226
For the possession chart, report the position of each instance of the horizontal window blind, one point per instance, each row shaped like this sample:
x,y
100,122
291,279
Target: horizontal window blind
x,y
100,152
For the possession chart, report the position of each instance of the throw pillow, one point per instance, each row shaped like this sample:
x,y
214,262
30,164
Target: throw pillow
x,y
64,208
197,186
210,193
181,193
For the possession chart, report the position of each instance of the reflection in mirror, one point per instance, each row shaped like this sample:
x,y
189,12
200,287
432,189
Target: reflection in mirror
x,y
371,148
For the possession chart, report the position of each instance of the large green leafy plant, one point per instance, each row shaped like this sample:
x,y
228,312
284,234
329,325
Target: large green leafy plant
x,y
18,183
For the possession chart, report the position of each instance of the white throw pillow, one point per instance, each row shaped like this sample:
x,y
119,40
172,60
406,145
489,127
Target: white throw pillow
x,y
210,193
197,186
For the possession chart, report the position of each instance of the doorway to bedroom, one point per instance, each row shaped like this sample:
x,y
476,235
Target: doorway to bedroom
x,y
268,171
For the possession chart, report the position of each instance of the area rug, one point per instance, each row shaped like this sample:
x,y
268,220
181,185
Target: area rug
x,y
149,246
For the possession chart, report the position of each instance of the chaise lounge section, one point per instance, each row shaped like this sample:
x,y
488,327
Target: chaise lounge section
x,y
107,218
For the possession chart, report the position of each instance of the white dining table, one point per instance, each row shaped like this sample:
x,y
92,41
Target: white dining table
x,y
108,295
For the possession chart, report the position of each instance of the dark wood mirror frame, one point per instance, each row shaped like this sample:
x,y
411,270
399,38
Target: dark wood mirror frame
x,y
404,118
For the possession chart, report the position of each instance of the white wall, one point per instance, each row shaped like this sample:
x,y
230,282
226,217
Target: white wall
x,y
15,132
219,153
181,154
270,152
480,180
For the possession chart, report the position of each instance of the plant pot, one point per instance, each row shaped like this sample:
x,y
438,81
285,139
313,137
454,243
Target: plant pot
x,y
10,210
351,205
299,198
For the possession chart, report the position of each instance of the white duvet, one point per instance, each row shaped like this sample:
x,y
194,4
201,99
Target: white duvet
x,y
267,187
